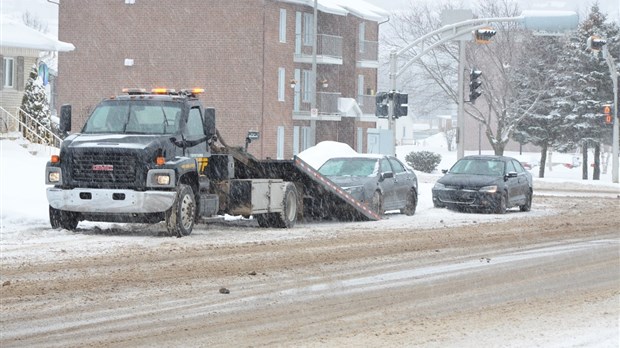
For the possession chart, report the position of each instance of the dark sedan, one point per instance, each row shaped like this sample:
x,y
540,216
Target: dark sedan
x,y
493,183
382,182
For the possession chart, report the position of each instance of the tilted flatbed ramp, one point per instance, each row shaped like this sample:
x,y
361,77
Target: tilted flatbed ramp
x,y
321,197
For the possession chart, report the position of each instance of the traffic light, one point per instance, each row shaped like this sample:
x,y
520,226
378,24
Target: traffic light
x,y
401,104
474,84
484,35
607,111
595,43
381,100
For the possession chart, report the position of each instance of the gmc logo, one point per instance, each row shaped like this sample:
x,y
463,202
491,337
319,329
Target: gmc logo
x,y
103,167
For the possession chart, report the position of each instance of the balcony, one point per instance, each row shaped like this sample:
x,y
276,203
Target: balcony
x,y
328,49
326,104
368,54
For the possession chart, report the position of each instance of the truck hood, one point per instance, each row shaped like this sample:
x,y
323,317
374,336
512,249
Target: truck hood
x,y
128,141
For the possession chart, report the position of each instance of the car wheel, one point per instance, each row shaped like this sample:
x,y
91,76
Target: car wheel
x,y
412,203
528,202
501,204
376,203
180,217
63,219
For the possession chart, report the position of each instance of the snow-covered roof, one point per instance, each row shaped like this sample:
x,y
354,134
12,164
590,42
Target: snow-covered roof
x,y
18,35
358,8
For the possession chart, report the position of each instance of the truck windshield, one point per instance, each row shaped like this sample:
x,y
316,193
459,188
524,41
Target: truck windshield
x,y
134,117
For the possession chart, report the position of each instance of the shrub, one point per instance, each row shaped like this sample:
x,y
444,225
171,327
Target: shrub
x,y
424,161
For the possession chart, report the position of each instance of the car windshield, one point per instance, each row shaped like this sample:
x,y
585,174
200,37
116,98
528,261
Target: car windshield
x,y
478,167
132,117
349,167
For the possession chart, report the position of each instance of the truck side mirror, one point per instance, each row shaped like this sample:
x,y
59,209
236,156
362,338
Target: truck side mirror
x,y
65,119
208,124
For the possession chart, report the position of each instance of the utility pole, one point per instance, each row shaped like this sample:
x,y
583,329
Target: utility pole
x,y
313,82
460,114
616,132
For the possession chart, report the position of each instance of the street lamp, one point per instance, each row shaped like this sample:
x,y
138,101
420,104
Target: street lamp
x,y
596,44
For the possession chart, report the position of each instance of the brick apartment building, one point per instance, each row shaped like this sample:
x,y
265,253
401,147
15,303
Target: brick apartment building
x,y
253,57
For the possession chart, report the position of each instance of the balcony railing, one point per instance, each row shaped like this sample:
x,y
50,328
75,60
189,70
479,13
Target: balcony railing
x,y
368,50
328,49
326,104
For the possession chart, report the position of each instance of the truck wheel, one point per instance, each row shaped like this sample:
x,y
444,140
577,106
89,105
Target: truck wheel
x,y
288,216
63,219
412,203
180,217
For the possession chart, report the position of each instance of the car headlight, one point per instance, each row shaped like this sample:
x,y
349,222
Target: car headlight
x,y
488,189
439,186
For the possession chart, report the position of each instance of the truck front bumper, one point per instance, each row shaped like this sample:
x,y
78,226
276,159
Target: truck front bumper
x,y
86,200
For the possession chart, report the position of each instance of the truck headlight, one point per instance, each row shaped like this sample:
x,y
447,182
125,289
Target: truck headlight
x,y
160,178
53,176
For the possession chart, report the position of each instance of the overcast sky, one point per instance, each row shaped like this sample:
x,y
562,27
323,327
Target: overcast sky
x,y
48,12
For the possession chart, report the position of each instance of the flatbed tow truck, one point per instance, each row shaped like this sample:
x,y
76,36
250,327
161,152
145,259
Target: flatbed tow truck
x,y
157,156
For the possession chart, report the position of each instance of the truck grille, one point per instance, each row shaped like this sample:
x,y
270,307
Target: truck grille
x,y
104,167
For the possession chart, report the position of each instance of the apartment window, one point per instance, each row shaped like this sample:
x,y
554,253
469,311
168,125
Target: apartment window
x,y
282,25
308,29
281,83
307,81
280,141
362,37
9,72
360,87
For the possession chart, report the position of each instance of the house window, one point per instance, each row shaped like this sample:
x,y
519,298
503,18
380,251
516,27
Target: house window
x,y
308,29
281,83
9,72
282,25
307,82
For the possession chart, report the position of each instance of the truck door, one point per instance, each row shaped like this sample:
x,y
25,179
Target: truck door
x,y
194,131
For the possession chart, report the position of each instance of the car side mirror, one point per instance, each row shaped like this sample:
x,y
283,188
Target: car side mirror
x,y
510,175
444,171
386,175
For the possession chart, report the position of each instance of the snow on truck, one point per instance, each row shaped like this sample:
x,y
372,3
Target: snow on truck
x,y
157,156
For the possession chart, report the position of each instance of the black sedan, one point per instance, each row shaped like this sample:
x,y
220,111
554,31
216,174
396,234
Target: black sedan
x,y
492,183
382,182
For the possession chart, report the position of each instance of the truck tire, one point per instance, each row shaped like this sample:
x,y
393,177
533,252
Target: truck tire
x,y
63,219
180,217
288,217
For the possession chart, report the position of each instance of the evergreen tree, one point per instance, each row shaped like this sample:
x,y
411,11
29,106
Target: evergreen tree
x,y
35,105
591,86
